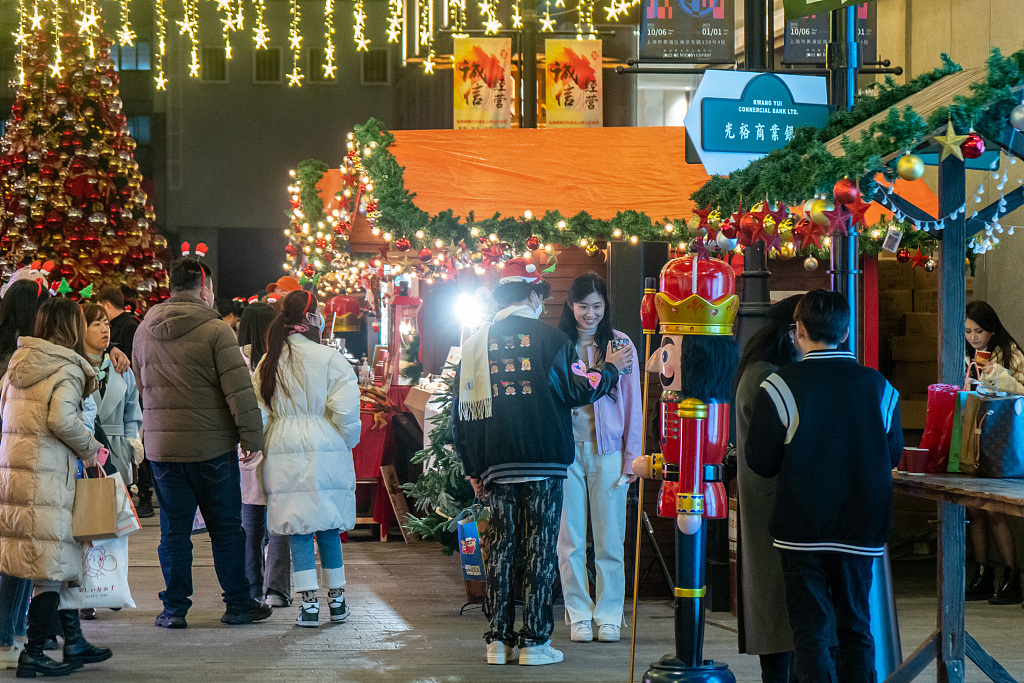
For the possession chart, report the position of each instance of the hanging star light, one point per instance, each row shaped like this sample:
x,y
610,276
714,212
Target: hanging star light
x,y
240,16
260,34
358,32
428,63
227,22
88,21
950,143
395,21
295,41
517,14
492,26
161,44
329,66
37,20
547,23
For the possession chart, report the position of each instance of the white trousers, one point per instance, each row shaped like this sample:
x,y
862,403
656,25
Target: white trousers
x,y
592,477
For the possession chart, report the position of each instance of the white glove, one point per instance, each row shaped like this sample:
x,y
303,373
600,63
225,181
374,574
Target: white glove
x,y
623,480
140,453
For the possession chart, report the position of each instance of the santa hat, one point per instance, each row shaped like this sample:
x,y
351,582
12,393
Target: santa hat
x,y
37,272
520,270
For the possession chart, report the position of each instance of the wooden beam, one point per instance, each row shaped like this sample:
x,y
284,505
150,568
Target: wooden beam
x,y
913,665
986,662
953,272
951,557
1014,200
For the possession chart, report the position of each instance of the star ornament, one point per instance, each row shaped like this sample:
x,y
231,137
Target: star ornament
x,y
295,79
951,143
161,82
37,21
261,38
126,36
810,233
704,213
393,35
428,64
547,24
492,26
919,259
857,211
838,220
517,21
90,21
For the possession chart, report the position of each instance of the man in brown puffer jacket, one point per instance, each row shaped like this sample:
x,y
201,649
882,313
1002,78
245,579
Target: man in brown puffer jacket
x,y
198,404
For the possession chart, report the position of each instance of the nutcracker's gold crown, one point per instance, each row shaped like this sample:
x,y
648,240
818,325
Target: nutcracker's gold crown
x,y
697,315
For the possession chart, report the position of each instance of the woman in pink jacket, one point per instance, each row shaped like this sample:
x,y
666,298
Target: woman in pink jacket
x,y
607,436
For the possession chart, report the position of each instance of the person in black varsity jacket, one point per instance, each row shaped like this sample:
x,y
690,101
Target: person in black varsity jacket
x,y
512,428
829,429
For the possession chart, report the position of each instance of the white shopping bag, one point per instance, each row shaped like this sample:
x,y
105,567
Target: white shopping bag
x,y
104,580
127,519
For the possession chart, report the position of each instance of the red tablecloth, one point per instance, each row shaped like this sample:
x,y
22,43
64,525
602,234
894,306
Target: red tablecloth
x,y
376,447
397,394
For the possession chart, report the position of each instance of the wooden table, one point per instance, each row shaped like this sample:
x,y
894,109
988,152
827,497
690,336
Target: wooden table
x,y
948,644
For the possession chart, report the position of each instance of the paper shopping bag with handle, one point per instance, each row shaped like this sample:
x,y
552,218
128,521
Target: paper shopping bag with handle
x,y
94,515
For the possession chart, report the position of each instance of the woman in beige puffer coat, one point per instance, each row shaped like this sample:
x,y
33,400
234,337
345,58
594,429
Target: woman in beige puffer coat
x,y
43,439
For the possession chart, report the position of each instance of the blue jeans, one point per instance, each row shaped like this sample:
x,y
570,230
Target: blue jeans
x,y
304,562
14,596
277,575
212,486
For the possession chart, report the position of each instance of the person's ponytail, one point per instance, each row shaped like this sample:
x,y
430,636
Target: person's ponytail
x,y
291,319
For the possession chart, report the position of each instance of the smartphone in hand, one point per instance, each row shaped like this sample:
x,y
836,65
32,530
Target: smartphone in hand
x,y
617,344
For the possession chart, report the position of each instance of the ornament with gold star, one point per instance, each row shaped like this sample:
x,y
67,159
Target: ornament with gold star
x,y
951,143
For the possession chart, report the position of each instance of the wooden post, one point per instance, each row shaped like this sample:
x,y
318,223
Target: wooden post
x,y
952,272
952,555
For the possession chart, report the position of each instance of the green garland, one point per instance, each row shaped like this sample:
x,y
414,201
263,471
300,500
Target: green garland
x,y
803,168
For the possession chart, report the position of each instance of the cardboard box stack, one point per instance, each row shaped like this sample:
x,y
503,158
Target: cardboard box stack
x,y
908,312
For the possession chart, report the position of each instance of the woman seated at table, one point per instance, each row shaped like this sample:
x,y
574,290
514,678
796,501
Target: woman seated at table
x,y
1000,365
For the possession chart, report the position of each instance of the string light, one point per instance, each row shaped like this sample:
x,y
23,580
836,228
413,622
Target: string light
x,y
20,38
161,45
58,55
395,27
585,19
547,24
517,14
190,26
125,36
260,35
295,42
329,67
358,36
426,35
240,15
491,23
457,12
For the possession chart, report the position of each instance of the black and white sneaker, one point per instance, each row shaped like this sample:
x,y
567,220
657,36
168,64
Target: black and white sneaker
x,y
339,610
309,614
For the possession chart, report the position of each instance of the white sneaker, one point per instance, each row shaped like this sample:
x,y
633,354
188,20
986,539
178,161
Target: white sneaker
x,y
9,658
538,655
608,633
309,614
277,600
499,653
581,632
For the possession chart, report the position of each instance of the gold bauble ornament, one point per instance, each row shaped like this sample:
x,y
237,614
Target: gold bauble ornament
x,y
693,223
818,209
910,167
769,225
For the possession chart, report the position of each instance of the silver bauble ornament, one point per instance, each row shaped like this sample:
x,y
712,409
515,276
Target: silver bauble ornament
x,y
810,264
724,243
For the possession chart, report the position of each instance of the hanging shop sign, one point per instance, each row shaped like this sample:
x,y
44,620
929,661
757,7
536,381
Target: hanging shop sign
x,y
806,38
739,116
694,31
804,8
573,83
483,82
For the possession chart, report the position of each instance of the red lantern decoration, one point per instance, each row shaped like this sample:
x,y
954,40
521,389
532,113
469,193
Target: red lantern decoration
x,y
533,243
973,147
846,192
426,254
403,244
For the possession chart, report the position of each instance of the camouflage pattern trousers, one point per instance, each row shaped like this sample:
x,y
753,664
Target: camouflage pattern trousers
x,y
523,527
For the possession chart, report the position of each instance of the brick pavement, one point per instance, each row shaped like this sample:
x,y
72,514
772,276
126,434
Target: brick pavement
x,y
405,626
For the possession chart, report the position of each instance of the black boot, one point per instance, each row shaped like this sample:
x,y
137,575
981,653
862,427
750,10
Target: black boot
x,y
983,585
33,660
1009,592
78,652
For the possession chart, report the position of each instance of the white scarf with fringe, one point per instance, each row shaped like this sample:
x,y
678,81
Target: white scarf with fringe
x,y
474,373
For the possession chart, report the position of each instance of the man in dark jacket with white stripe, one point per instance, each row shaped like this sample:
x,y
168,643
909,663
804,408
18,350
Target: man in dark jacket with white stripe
x,y
829,429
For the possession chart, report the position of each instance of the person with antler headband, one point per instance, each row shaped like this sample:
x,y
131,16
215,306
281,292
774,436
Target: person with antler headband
x,y
198,405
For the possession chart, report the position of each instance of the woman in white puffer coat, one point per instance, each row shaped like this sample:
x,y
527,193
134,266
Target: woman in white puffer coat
x,y
310,397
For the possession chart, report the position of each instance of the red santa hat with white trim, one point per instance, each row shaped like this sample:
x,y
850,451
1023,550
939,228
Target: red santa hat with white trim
x,y
520,270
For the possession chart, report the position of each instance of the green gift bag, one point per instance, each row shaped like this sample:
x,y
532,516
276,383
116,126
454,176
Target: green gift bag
x,y
955,443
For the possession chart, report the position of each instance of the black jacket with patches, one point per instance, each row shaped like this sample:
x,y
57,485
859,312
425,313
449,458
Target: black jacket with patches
x,y
830,430
533,391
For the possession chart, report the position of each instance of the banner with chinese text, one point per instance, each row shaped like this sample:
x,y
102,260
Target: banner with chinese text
x,y
483,82
806,38
573,83
695,31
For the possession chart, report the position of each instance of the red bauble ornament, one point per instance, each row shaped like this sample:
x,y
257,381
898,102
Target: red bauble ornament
x,y
533,244
403,244
903,255
846,192
426,254
309,271
749,222
321,243
973,147
728,231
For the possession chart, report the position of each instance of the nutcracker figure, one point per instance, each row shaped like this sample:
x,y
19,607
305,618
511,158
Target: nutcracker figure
x,y
694,311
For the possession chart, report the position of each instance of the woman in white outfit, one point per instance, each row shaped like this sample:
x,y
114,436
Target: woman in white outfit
x,y
310,397
607,436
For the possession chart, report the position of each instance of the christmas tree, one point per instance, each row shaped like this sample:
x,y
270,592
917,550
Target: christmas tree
x,y
70,185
